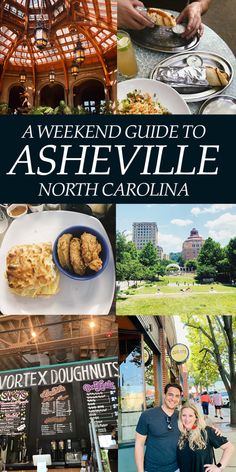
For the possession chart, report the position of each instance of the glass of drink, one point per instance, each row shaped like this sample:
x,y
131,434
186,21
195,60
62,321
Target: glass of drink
x,y
126,60
3,221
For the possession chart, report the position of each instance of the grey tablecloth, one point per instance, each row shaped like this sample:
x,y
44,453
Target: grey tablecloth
x,y
210,41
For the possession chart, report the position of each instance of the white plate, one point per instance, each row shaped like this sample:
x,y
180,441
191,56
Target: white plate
x,y
75,297
166,95
209,59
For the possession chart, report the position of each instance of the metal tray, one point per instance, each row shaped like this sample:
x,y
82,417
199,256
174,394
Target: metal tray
x,y
229,104
162,39
209,59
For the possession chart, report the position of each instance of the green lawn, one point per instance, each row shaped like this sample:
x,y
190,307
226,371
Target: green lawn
x,y
176,300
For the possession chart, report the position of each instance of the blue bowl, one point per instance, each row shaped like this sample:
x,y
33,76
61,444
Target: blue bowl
x,y
76,231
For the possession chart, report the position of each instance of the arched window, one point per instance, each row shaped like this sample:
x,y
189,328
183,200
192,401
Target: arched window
x,y
51,95
15,97
90,94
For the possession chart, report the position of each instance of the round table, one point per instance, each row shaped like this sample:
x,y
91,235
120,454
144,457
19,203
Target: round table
x,y
210,41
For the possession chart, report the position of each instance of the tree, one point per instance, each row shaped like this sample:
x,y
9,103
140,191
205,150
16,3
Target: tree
x,y
224,270
206,272
210,254
231,254
121,244
180,260
218,347
191,264
153,272
148,255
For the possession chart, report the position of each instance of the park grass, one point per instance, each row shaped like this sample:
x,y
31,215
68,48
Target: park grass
x,y
195,288
204,304
198,300
189,279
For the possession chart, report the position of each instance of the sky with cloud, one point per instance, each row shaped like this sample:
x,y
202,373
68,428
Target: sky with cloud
x,y
175,222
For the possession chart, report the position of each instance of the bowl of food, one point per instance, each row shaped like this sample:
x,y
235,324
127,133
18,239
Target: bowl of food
x,y
149,97
80,253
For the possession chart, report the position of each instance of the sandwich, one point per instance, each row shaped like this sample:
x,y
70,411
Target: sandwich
x,y
161,17
31,271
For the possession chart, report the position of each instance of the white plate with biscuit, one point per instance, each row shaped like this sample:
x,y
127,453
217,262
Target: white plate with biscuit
x,y
92,296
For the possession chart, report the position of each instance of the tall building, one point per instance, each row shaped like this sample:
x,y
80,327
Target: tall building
x,y
144,233
192,245
160,252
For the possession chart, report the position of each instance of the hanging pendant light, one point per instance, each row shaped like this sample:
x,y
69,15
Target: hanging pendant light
x,y
41,32
22,76
79,55
74,69
52,76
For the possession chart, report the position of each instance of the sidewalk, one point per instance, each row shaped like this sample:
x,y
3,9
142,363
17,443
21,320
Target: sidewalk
x,y
227,431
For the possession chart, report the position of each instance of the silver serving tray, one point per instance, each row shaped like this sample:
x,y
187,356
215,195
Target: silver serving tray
x,y
209,59
162,39
226,99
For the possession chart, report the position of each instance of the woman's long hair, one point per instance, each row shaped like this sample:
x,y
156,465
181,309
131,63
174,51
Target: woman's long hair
x,y
197,437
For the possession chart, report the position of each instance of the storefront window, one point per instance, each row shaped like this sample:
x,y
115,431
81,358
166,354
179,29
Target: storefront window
x,y
131,388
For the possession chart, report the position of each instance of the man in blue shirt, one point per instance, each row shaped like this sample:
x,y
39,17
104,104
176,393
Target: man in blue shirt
x,y
157,428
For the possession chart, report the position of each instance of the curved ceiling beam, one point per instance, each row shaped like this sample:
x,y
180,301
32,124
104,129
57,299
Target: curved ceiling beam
x,y
102,23
63,60
49,12
13,47
96,46
27,18
82,25
30,48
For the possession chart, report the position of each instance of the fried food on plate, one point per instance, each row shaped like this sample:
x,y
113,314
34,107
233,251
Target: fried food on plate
x,y
79,254
63,251
91,249
216,77
161,17
76,257
31,271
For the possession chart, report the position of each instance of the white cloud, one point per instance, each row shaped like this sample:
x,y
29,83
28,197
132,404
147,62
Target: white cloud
x,y
180,222
128,235
222,228
215,208
170,243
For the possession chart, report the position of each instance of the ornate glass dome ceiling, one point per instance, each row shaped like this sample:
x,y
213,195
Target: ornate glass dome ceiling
x,y
93,22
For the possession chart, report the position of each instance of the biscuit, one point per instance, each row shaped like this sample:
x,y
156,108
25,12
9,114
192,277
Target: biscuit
x,y
31,271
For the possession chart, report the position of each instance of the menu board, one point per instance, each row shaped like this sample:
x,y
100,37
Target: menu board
x,y
14,411
100,398
56,417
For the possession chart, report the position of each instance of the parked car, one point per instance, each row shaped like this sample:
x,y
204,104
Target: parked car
x,y
225,398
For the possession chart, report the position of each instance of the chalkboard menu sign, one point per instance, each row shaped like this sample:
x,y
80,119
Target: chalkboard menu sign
x,y
56,416
100,398
14,411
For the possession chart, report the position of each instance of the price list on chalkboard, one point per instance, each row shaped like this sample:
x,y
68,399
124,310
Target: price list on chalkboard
x,y
14,411
101,402
56,411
